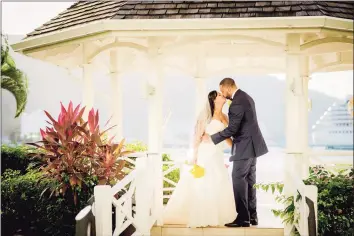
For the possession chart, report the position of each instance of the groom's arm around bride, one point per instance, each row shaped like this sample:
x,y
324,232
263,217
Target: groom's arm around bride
x,y
235,117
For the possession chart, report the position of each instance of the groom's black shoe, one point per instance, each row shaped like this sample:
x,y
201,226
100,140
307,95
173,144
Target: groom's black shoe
x,y
238,224
254,221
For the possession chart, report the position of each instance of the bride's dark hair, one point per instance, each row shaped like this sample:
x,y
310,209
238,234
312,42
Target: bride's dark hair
x,y
211,97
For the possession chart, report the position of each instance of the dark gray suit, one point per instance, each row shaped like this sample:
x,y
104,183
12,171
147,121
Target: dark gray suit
x,y
248,144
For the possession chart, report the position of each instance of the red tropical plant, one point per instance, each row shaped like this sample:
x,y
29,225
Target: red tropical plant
x,y
73,151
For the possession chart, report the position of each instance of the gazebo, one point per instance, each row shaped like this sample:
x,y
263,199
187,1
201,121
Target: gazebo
x,y
202,39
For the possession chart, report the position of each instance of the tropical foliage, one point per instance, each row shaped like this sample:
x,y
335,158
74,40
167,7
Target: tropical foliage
x,y
335,201
73,152
13,79
23,210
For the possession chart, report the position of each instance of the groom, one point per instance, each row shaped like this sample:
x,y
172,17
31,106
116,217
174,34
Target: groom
x,y
248,144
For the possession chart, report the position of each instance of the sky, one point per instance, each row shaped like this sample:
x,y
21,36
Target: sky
x,y
18,20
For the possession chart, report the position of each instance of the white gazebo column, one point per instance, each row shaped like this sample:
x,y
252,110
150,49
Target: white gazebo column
x,y
296,162
305,109
201,94
155,101
88,94
155,123
200,79
116,97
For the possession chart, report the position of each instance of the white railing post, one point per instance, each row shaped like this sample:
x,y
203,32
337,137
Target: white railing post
x,y
103,210
143,196
158,189
312,194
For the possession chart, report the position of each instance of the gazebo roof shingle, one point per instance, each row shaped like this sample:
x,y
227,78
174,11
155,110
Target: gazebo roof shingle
x,y
84,12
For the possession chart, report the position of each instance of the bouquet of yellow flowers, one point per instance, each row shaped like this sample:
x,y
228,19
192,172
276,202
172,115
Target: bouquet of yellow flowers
x,y
197,171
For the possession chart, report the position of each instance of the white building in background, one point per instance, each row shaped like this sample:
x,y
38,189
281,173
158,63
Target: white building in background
x,y
334,129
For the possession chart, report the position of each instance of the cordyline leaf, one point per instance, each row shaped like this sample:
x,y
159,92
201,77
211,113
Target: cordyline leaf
x,y
63,110
91,120
53,135
36,145
96,138
119,148
82,129
43,134
110,140
60,119
50,117
59,129
108,121
70,109
107,130
76,110
49,138
96,118
79,115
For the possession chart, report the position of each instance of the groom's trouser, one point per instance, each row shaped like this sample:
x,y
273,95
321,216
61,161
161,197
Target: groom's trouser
x,y
243,179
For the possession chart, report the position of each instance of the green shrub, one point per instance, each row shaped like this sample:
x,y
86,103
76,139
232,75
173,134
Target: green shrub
x,y
335,201
136,147
16,158
26,211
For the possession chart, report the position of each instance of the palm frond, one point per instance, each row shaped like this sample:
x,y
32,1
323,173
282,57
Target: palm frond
x,y
13,79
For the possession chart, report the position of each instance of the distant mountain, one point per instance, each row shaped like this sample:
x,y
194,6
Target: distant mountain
x,y
49,85
268,93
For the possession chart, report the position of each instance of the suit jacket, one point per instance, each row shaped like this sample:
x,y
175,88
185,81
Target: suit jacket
x,y
247,138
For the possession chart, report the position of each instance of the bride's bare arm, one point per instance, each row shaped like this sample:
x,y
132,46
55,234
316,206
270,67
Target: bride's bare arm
x,y
226,123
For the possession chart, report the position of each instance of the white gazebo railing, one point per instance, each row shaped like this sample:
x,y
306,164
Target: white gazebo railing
x,y
132,199
305,202
136,200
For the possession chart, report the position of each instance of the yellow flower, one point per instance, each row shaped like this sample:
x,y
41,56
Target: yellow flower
x,y
197,171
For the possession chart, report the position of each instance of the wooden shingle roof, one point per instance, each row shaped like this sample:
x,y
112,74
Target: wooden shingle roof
x,y
84,12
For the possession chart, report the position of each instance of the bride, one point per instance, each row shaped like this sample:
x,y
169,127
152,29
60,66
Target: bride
x,y
209,200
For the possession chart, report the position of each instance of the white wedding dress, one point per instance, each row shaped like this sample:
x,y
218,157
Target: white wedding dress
x,y
205,201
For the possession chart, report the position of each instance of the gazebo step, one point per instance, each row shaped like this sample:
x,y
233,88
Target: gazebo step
x,y
180,230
